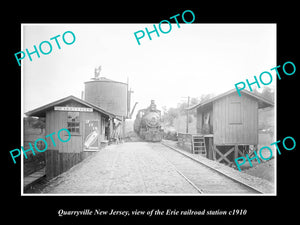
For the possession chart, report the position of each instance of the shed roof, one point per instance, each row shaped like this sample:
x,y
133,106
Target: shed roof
x,y
262,102
41,111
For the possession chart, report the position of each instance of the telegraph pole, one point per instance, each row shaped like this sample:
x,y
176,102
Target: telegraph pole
x,y
187,115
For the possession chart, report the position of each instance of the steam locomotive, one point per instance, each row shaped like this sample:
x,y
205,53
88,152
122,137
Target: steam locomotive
x,y
148,123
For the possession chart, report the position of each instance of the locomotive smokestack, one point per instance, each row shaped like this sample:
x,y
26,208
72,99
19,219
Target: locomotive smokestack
x,y
148,123
152,105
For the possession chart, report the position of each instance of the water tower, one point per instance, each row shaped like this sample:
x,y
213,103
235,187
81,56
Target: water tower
x,y
112,96
109,95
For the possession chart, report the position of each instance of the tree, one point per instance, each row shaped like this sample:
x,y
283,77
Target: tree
x,y
182,107
39,123
169,116
267,93
35,122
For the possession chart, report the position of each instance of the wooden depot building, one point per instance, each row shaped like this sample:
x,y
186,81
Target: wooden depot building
x,y
89,125
227,126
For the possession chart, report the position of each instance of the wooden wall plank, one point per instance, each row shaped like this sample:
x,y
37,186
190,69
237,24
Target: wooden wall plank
x,y
65,155
244,133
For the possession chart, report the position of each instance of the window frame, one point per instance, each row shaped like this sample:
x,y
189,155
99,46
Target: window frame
x,y
73,125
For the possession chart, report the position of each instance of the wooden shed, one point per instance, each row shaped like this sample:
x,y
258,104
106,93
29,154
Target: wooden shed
x,y
229,124
88,125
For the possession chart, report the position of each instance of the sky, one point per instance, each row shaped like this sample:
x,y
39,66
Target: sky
x,y
192,60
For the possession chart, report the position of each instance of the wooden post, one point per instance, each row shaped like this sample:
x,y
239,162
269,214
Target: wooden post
x,y
123,127
187,116
236,152
111,128
214,152
210,148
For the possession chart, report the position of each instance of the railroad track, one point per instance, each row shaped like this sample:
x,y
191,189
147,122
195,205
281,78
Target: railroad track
x,y
185,177
205,179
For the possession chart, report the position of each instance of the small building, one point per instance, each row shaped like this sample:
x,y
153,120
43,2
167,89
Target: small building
x,y
228,124
89,125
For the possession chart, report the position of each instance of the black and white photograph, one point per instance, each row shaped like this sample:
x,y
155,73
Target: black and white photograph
x,y
162,117
150,115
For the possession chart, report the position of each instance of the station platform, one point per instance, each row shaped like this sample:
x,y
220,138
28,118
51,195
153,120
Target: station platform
x,y
30,179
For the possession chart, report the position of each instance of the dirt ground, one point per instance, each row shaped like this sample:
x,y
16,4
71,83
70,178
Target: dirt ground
x,y
129,168
132,168
263,170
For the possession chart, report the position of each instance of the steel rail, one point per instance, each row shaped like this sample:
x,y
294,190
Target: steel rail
x,y
187,179
214,169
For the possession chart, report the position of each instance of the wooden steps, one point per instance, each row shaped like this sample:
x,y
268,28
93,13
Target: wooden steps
x,y
198,145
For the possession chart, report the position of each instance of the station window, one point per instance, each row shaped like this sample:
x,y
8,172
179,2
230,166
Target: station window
x,y
73,123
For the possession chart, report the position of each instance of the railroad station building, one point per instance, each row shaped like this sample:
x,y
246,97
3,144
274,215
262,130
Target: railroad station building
x,y
88,124
93,121
227,126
